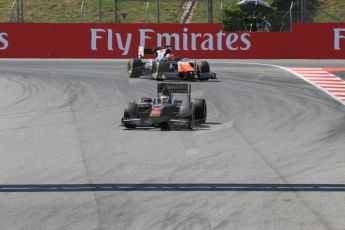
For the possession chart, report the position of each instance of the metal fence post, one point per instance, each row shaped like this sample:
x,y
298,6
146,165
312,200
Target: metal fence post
x,y
301,7
298,2
147,11
100,11
11,15
17,5
221,11
303,11
22,10
209,11
290,11
116,11
158,11
82,11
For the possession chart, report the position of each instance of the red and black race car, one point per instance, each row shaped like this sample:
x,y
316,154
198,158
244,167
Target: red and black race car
x,y
166,111
165,66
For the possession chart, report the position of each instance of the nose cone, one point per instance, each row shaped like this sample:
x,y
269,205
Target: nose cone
x,y
156,111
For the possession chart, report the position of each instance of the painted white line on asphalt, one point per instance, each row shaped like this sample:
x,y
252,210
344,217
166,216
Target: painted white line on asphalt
x,y
333,82
323,79
328,82
334,91
339,86
320,76
334,87
312,71
305,69
315,74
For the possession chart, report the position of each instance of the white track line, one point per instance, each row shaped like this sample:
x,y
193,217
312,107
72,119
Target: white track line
x,y
331,82
331,86
320,78
305,69
315,74
314,71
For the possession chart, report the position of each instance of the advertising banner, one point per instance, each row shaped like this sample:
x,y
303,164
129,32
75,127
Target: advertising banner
x,y
75,40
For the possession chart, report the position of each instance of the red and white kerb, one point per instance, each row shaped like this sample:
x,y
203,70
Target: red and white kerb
x,y
320,77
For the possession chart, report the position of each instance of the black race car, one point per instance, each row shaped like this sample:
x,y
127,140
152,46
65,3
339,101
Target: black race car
x,y
165,66
166,111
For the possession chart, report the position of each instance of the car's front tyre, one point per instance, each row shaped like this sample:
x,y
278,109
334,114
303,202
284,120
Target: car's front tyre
x,y
187,113
134,68
130,112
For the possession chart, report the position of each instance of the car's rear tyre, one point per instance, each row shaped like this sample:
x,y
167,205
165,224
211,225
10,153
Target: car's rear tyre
x,y
203,67
134,68
187,113
200,108
130,112
159,68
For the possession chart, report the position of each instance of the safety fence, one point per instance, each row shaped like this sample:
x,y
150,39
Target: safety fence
x,y
94,11
309,11
166,11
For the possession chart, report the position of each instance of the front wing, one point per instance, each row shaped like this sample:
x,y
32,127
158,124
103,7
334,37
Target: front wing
x,y
153,122
191,75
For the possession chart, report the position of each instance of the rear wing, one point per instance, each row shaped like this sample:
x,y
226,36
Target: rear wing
x,y
171,88
142,51
150,51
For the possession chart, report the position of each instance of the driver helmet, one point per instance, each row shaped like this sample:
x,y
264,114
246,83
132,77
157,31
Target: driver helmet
x,y
167,49
164,99
170,57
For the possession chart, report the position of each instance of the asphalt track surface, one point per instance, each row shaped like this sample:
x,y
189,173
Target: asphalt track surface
x,y
271,155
